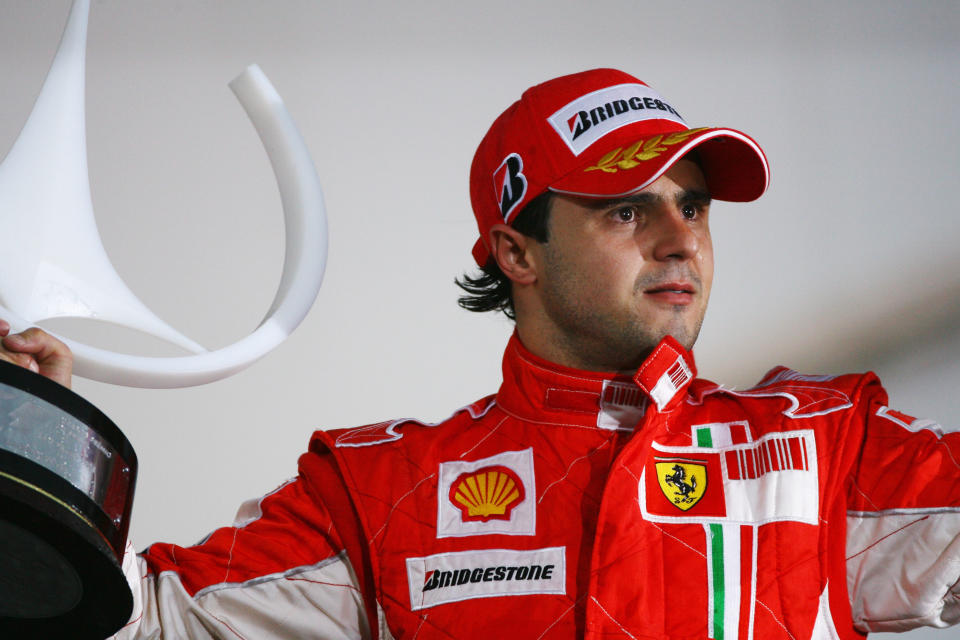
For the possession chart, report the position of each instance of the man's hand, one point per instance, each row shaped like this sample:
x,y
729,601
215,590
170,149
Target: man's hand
x,y
37,350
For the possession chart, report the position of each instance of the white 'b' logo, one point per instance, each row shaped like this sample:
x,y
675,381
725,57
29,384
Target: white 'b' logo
x,y
509,184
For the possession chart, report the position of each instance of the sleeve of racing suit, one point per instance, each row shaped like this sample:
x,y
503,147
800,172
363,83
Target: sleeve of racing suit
x,y
278,572
903,523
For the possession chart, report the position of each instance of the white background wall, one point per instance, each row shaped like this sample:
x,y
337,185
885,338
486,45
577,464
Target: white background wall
x,y
848,263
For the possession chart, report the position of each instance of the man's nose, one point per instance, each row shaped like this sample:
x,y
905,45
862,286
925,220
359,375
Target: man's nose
x,y
676,237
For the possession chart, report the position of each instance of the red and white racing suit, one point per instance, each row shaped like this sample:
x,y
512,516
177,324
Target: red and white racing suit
x,y
575,504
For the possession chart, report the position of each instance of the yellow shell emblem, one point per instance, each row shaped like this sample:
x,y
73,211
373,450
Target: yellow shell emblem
x,y
489,493
683,483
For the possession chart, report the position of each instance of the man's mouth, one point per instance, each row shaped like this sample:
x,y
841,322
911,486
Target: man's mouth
x,y
671,287
675,293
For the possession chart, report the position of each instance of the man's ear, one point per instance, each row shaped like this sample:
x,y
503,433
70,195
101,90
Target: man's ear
x,y
511,250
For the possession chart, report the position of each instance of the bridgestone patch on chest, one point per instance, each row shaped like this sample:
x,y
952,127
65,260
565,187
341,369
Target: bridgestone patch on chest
x,y
464,575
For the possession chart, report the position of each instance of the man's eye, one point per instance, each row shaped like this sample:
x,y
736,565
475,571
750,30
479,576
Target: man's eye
x,y
689,211
625,214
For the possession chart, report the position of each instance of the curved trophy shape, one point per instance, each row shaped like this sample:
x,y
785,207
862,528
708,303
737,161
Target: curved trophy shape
x,y
55,264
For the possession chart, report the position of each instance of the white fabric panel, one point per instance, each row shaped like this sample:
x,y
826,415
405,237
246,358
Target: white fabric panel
x,y
823,627
903,569
317,601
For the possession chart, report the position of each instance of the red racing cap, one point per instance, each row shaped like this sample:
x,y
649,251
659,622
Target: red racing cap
x,y
599,134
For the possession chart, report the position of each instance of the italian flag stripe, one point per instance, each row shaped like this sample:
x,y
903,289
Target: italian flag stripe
x,y
716,580
715,568
731,553
724,546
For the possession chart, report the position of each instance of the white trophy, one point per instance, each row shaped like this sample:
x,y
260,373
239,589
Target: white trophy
x,y
67,473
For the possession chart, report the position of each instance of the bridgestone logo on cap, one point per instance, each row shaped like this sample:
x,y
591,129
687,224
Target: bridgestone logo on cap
x,y
590,117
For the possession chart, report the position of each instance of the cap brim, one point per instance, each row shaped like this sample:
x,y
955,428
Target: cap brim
x,y
733,164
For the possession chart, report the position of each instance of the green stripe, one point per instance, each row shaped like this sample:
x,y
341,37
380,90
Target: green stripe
x,y
704,439
716,542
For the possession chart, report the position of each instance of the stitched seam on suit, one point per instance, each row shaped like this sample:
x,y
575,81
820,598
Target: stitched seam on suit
x,y
281,575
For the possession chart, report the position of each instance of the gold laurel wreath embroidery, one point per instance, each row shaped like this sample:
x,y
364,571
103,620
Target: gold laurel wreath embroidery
x,y
630,157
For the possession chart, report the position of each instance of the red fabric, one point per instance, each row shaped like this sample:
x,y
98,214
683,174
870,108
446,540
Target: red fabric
x,y
764,533
292,531
625,574
327,487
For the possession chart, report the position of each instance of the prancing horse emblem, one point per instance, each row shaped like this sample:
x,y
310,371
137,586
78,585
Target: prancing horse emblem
x,y
683,482
677,480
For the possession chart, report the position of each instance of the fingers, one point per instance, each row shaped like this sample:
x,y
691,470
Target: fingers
x,y
40,352
4,327
24,360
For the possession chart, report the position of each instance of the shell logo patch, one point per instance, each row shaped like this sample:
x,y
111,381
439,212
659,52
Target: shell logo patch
x,y
683,482
488,493
496,494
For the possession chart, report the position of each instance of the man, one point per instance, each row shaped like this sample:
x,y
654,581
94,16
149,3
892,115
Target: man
x,y
604,491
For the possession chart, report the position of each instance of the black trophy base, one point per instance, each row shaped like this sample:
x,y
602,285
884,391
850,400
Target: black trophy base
x,y
58,576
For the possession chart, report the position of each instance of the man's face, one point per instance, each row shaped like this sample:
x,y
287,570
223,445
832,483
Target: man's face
x,y
617,276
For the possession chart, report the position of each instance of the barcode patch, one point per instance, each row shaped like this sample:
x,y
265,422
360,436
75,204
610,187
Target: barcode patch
x,y
622,395
775,454
678,373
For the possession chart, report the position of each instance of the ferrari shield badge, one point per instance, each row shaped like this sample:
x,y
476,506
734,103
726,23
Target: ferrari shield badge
x,y
682,482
